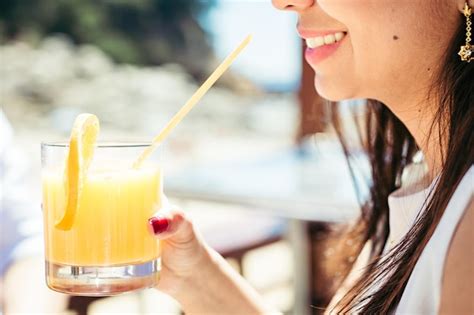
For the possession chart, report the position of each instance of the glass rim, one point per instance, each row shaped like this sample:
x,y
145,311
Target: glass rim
x,y
101,144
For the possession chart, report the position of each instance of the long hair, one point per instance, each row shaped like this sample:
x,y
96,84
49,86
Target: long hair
x,y
390,147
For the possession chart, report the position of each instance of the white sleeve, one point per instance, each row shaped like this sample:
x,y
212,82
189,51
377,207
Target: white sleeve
x,y
20,207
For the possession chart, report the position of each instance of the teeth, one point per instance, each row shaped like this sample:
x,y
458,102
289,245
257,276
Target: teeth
x,y
314,42
329,39
311,42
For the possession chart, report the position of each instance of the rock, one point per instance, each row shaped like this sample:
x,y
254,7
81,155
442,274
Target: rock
x,y
92,61
44,87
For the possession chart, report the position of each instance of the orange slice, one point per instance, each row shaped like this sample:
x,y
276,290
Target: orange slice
x,y
81,151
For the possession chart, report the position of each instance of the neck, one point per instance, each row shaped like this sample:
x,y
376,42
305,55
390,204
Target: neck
x,y
419,118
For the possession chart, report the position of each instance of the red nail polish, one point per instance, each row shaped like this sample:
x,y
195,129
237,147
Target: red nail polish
x,y
159,224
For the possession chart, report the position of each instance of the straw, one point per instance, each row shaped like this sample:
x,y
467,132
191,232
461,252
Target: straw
x,y
191,102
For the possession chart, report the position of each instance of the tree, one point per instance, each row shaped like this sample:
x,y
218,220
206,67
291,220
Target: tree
x,y
149,32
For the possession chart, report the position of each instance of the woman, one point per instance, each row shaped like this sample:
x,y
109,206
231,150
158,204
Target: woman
x,y
412,60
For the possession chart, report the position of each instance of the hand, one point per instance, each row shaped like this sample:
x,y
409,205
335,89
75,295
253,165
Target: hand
x,y
183,250
197,276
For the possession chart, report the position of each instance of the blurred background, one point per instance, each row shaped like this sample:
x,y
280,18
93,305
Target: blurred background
x,y
258,144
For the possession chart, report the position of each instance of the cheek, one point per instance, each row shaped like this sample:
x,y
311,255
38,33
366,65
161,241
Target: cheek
x,y
332,8
348,10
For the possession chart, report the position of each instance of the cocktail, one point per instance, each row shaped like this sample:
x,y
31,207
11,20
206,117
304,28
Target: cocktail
x,y
106,248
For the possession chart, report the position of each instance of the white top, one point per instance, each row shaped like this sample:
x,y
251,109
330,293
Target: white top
x,y
423,291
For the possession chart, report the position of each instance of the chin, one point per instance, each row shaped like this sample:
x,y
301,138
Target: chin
x,y
332,91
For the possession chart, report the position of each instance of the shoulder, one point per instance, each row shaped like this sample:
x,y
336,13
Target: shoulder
x,y
458,278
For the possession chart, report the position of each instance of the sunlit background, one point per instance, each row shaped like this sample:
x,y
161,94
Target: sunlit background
x,y
263,193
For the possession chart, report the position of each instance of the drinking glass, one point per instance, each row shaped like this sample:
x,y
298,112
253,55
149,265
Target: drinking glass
x,y
109,248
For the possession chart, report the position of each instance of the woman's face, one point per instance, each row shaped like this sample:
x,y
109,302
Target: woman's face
x,y
383,48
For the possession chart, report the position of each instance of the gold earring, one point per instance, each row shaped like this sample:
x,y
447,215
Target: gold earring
x,y
467,51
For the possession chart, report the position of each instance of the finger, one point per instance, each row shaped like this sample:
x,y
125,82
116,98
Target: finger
x,y
173,225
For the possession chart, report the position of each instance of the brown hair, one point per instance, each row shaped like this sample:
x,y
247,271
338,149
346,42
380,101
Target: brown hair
x,y
390,147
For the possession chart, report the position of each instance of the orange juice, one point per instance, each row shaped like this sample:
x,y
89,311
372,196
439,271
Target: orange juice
x,y
110,225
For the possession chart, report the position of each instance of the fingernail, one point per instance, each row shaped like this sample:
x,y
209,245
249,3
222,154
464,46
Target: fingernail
x,y
159,224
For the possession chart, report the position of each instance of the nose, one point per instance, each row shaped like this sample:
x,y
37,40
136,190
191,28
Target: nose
x,y
292,5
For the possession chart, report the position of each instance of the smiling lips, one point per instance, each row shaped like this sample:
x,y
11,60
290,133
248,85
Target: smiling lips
x,y
320,45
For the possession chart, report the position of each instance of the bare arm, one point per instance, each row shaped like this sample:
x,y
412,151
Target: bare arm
x,y
216,288
458,280
197,276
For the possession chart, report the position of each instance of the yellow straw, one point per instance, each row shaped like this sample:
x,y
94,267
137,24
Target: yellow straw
x,y
191,102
